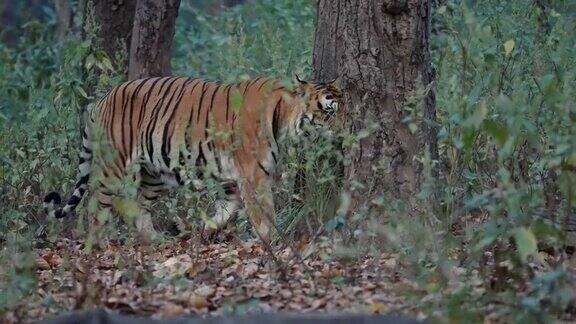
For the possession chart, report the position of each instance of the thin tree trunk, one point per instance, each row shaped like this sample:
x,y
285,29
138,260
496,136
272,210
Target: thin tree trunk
x,y
79,18
379,50
153,31
542,18
7,21
63,19
115,19
7,14
231,3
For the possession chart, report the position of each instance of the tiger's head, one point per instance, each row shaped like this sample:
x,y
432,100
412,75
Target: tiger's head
x,y
320,104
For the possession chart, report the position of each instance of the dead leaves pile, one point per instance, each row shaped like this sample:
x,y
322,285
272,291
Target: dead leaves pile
x,y
186,278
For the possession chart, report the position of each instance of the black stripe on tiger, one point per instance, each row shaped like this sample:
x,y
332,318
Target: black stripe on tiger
x,y
154,118
275,121
141,114
199,109
165,148
131,114
209,109
263,168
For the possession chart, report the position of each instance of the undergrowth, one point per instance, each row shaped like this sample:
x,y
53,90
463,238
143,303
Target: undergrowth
x,y
505,80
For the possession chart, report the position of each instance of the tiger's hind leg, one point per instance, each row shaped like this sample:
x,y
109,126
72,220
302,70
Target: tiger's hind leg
x,y
256,192
150,189
100,216
226,209
143,222
227,204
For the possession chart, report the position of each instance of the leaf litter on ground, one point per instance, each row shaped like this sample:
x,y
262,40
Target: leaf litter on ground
x,y
186,278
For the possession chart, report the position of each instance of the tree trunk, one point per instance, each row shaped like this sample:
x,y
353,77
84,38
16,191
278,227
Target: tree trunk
x,y
7,14
379,51
63,19
232,3
153,31
542,18
115,19
7,22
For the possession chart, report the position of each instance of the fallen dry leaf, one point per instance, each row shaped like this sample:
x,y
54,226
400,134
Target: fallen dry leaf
x,y
194,269
249,270
390,263
286,294
177,265
205,291
198,302
316,304
171,310
42,264
55,260
378,307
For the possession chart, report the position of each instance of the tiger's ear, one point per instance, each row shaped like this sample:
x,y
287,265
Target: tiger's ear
x,y
301,85
334,82
298,80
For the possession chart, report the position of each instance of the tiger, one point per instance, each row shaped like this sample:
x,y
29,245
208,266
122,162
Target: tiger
x,y
230,133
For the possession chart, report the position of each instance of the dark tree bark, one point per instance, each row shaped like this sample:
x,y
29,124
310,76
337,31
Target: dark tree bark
x,y
115,19
379,51
63,19
153,31
215,6
8,19
542,17
7,14
231,3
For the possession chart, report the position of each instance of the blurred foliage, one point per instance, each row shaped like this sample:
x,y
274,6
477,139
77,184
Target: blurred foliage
x,y
264,37
505,80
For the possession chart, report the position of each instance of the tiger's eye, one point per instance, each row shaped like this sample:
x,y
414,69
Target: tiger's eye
x,y
329,97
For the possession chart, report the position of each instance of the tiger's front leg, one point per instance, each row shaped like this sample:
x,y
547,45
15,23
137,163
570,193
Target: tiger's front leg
x,y
143,222
258,201
226,209
256,191
150,189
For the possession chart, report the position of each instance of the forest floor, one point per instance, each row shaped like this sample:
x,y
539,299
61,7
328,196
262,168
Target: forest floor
x,y
184,277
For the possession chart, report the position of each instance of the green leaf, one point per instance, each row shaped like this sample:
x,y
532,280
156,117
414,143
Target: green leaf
x,y
335,223
90,61
267,87
236,99
509,46
468,136
106,64
496,130
546,231
363,134
207,220
571,160
83,93
478,116
485,241
525,242
128,209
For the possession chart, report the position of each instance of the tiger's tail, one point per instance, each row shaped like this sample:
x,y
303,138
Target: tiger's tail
x,y
53,199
